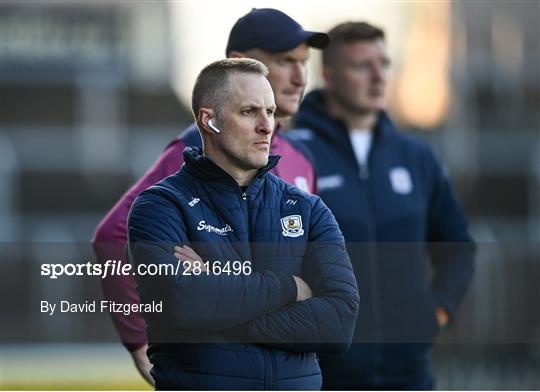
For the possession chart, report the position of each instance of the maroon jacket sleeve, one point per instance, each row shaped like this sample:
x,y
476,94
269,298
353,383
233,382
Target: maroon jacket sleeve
x,y
110,239
295,167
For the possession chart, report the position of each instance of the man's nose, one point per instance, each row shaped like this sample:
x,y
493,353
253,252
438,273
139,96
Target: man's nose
x,y
266,124
299,74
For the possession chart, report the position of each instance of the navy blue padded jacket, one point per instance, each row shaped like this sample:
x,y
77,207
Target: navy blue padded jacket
x,y
249,331
400,219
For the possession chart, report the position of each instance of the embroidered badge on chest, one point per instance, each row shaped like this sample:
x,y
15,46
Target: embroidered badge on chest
x,y
401,181
292,226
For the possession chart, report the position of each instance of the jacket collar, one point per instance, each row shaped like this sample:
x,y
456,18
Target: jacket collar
x,y
313,114
205,168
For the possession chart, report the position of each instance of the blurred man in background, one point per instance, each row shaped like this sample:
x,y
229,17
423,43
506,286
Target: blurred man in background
x,y
393,203
279,42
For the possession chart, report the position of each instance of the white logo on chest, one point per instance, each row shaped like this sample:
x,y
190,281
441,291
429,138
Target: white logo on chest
x,y
211,229
292,226
291,202
401,181
302,183
330,182
194,201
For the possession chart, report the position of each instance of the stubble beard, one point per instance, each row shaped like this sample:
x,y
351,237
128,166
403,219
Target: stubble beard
x,y
245,161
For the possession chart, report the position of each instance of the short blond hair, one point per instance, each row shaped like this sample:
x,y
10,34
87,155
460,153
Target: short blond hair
x,y
212,85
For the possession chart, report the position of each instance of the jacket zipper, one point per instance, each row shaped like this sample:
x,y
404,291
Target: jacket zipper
x,y
364,179
244,202
270,369
363,172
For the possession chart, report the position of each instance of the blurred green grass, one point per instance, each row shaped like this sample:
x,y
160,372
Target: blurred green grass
x,y
86,366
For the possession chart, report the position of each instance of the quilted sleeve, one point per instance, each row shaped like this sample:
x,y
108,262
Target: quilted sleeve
x,y
324,323
203,302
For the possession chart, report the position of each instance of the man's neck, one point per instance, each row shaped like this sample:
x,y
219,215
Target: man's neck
x,y
241,176
353,120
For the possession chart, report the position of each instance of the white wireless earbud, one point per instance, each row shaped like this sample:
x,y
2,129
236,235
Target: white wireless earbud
x,y
213,127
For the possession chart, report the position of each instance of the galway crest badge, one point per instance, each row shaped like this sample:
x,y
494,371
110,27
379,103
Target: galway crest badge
x,y
292,226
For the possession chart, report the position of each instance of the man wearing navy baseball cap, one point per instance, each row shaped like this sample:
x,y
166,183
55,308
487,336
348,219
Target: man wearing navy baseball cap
x,y
278,41
273,31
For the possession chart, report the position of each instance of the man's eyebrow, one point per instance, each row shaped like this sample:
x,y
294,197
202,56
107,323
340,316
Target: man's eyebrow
x,y
248,105
257,106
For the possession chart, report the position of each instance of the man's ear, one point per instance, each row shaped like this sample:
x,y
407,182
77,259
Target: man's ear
x,y
203,116
234,54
